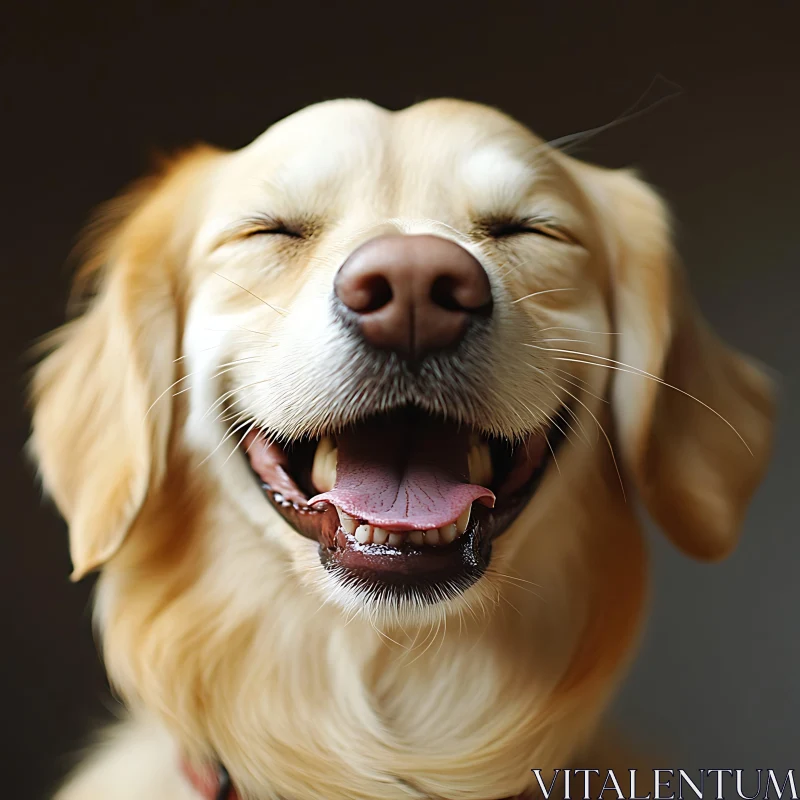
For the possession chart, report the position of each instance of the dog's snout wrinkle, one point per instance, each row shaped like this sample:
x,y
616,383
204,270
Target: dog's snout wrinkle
x,y
413,295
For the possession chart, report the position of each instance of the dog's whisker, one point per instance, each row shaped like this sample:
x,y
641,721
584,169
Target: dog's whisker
x,y
230,393
502,598
627,368
600,428
433,637
555,424
215,375
484,619
568,143
239,444
579,330
569,410
180,380
505,268
444,631
230,432
553,454
237,361
226,415
573,414
429,631
171,386
282,311
220,402
383,635
202,350
559,403
503,581
242,329
565,339
578,383
608,442
508,576
543,291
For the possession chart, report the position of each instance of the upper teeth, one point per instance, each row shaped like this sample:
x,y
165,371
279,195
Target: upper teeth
x,y
373,534
323,471
480,462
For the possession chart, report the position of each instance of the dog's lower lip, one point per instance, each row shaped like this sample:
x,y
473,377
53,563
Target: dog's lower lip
x,y
427,571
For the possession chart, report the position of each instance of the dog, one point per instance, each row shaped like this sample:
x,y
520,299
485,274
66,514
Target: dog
x,y
356,422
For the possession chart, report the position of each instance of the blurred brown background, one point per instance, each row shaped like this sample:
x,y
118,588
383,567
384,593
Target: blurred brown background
x,y
89,92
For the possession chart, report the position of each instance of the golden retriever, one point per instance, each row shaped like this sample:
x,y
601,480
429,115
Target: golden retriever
x,y
356,421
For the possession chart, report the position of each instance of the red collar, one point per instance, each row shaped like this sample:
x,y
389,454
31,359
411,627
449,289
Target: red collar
x,y
213,784
210,783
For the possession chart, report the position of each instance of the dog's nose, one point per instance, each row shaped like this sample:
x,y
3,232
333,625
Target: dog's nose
x,y
413,294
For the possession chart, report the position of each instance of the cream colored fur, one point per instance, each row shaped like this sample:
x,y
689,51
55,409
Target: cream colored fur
x,y
220,628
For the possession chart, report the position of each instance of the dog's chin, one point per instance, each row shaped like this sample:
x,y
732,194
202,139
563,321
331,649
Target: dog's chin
x,y
404,506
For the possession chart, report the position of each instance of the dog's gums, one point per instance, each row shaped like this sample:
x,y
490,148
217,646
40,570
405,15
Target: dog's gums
x,y
404,500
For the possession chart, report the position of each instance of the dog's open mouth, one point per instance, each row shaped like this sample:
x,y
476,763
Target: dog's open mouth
x,y
405,500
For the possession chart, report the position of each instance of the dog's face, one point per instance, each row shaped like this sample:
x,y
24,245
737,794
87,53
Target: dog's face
x,y
396,334
378,323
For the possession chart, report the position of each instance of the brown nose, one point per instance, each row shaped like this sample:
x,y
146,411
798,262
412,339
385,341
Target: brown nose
x,y
413,294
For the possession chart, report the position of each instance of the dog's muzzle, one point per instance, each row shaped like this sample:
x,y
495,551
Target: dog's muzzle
x,y
406,499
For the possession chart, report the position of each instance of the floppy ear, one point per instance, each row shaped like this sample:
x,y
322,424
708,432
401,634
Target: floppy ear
x,y
100,426
695,452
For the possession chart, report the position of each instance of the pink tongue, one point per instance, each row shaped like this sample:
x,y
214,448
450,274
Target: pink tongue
x,y
408,476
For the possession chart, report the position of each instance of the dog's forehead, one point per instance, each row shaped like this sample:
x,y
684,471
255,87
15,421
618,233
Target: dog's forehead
x,y
319,139
331,141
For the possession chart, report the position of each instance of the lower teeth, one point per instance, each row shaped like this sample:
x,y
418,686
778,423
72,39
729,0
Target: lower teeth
x,y
373,534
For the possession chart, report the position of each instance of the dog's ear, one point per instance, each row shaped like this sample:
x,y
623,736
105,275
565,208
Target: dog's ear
x,y
696,452
100,423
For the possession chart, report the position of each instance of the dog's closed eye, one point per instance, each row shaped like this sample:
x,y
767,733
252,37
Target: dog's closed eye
x,y
265,225
506,228
273,226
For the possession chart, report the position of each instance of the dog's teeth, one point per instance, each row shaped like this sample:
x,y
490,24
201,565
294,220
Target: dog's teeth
x,y
323,471
363,533
379,535
348,523
480,464
448,533
463,520
432,537
372,534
